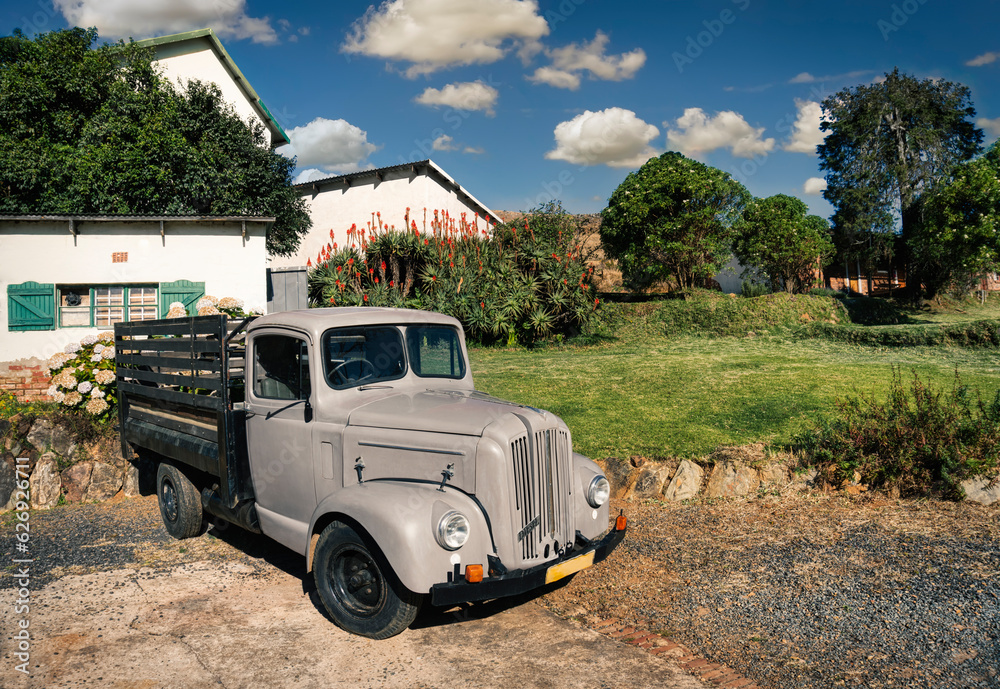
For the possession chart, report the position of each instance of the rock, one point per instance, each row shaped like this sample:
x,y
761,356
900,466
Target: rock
x,y
621,475
637,461
805,480
130,482
8,482
979,490
731,480
76,480
45,483
46,435
773,475
105,482
686,482
650,481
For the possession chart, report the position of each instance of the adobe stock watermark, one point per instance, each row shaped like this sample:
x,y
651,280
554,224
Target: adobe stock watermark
x,y
901,14
39,21
696,45
21,568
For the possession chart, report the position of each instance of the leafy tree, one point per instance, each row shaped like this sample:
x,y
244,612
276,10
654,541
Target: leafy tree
x,y
98,130
672,219
958,240
777,238
888,143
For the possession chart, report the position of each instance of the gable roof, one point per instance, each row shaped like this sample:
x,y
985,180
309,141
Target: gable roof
x,y
427,167
278,135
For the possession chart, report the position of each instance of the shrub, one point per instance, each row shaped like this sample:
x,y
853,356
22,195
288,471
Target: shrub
x,y
728,316
751,289
826,292
917,440
83,376
875,311
518,282
984,333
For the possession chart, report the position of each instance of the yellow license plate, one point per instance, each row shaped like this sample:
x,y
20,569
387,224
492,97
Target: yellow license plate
x,y
571,566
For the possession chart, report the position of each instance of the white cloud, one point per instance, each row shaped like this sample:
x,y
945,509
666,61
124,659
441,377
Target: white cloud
x,y
697,133
984,59
572,60
444,143
467,95
555,77
991,126
814,186
474,150
613,137
806,135
149,18
334,146
807,78
434,34
309,174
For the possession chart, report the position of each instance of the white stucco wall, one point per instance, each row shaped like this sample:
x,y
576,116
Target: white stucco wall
x,y
336,207
195,59
211,252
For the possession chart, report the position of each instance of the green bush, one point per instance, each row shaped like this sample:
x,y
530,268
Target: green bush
x,y
916,441
751,289
875,311
826,292
83,377
985,333
515,283
731,316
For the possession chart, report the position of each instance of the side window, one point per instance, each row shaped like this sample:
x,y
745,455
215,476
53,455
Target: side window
x,y
280,368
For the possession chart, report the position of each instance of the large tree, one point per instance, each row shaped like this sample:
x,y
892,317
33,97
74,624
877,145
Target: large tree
x,y
958,240
888,143
778,238
87,129
673,219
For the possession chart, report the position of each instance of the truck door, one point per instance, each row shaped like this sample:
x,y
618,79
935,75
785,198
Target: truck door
x,y
279,433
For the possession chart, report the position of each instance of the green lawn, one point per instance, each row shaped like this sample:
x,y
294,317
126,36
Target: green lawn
x,y
656,396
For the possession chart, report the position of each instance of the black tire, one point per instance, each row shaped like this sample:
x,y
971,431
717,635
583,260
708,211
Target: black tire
x,y
358,590
180,502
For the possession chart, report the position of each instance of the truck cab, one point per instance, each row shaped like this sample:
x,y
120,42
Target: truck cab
x,y
356,437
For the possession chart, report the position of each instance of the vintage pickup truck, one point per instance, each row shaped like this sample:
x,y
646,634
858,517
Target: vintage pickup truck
x,y
355,437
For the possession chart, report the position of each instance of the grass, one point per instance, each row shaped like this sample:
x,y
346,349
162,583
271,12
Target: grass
x,y
641,392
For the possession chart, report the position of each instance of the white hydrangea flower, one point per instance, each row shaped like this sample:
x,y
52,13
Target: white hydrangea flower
x,y
104,377
176,305
88,340
84,387
106,336
95,358
72,348
108,353
71,399
96,406
98,348
97,392
59,397
52,391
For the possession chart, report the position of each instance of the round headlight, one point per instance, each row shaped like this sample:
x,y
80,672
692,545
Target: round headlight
x,y
452,530
599,491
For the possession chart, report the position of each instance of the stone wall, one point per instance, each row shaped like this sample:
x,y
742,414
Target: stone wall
x,y
27,380
59,467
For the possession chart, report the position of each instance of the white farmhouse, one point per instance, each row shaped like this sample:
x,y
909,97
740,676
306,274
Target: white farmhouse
x,y
337,203
200,55
64,277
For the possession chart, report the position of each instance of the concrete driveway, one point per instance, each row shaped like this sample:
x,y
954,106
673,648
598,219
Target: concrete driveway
x,y
219,624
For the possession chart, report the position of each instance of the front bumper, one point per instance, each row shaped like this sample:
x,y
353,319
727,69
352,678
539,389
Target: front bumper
x,y
521,581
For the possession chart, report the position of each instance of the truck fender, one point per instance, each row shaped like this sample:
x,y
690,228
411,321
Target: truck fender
x,y
590,522
401,518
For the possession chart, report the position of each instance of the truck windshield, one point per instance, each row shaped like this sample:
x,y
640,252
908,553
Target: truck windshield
x,y
435,351
362,355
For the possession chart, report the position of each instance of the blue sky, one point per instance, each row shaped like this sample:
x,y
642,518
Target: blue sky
x,y
522,101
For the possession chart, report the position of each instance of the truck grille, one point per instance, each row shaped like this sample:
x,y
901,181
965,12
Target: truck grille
x,y
541,468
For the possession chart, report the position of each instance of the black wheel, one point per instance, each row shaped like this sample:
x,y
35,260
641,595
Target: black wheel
x,y
180,502
361,594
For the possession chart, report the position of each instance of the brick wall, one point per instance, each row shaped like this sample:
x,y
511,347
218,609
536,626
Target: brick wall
x,y
26,380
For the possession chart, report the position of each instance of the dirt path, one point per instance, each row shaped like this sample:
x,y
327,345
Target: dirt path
x,y
209,614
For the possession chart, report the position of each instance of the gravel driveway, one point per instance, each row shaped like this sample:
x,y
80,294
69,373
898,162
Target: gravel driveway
x,y
799,591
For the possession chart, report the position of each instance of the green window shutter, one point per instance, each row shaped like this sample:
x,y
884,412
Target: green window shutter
x,y
31,306
184,291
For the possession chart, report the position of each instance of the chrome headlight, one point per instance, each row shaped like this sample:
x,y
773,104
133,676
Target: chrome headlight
x,y
599,491
452,530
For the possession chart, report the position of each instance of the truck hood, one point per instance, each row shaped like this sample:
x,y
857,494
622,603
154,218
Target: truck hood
x,y
460,412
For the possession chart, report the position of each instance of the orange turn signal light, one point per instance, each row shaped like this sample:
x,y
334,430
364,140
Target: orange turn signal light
x,y
473,573
620,522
